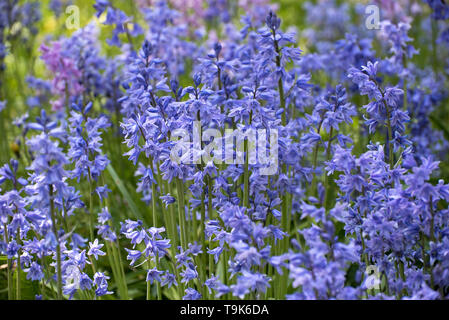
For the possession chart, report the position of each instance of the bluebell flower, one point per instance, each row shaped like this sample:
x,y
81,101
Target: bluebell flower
x,y
167,199
94,249
191,294
212,283
104,216
34,272
102,192
85,282
189,273
133,255
169,279
154,275
100,281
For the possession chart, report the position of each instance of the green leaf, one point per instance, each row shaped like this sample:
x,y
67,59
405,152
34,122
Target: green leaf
x,y
121,186
443,127
28,289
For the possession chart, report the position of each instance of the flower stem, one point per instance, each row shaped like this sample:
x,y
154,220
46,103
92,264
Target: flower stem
x,y
246,177
389,138
58,245
171,222
434,26
148,282
280,83
326,176
203,255
18,295
405,86
181,212
155,224
8,261
91,212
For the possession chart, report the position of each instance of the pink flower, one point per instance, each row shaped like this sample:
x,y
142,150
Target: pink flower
x,y
67,77
398,10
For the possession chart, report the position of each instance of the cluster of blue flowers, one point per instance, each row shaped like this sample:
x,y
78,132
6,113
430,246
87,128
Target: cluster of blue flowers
x,y
356,208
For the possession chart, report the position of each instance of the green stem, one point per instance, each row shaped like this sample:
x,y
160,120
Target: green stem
x,y
91,212
128,37
4,140
389,138
42,281
246,170
175,239
155,224
432,220
225,262
210,209
365,255
315,159
172,222
148,282
246,177
158,284
434,26
405,86
113,264
389,129
326,177
284,219
18,295
280,82
181,212
58,245
8,261
121,269
117,259
402,275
